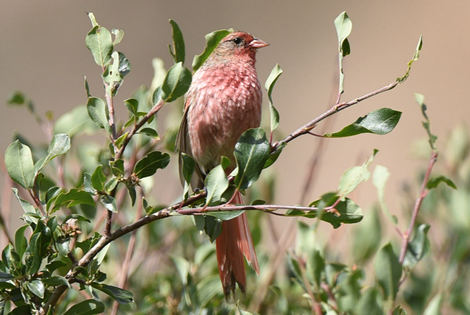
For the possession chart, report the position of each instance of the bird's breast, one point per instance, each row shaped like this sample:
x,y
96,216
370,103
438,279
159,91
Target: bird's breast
x,y
224,102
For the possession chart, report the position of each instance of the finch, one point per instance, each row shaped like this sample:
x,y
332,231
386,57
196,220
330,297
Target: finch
x,y
223,101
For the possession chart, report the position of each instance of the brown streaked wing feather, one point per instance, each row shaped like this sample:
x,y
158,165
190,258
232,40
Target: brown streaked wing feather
x,y
183,145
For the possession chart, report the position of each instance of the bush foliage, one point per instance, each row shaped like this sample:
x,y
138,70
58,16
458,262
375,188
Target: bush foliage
x,y
98,240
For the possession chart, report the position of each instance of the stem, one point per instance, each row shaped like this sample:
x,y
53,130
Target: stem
x,y
110,104
36,200
417,206
127,259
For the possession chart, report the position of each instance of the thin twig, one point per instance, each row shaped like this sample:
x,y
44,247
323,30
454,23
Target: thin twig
x,y
137,126
417,206
333,110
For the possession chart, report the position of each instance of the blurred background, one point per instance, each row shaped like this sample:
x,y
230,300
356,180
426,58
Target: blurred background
x,y
43,54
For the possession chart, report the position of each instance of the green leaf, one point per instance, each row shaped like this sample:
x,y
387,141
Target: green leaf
x,y
343,27
120,141
20,241
132,105
226,215
157,95
87,307
417,247
36,287
176,82
150,132
269,85
211,225
99,42
87,87
216,183
379,122
98,178
132,193
318,266
72,198
186,171
434,307
59,145
183,267
347,211
120,295
274,155
17,98
354,176
212,40
367,236
109,202
426,123
379,179
19,164
150,163
388,271
111,75
27,207
118,36
251,152
74,122
97,111
368,304
435,181
177,50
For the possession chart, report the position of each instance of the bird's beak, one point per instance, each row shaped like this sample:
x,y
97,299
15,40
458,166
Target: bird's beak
x,y
258,43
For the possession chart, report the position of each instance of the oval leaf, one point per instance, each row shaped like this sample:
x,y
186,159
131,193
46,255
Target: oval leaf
x,y
120,295
59,145
388,271
177,50
269,85
150,163
97,111
379,122
87,307
216,183
176,83
99,42
19,164
251,152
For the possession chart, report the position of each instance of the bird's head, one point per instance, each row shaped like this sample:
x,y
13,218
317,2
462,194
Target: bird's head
x,y
239,44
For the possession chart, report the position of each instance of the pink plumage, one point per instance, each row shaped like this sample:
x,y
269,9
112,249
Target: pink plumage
x,y
223,101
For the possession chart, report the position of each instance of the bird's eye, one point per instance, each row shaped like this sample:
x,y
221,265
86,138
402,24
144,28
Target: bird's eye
x,y
237,40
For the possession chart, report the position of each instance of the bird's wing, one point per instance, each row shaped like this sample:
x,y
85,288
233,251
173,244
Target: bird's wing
x,y
183,145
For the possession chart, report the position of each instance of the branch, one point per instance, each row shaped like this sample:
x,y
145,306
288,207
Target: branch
x,y
137,126
333,110
161,214
417,206
110,103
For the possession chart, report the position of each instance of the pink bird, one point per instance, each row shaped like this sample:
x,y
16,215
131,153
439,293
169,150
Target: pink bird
x,y
223,101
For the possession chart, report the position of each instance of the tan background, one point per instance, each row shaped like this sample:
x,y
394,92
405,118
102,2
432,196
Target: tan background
x,y
42,53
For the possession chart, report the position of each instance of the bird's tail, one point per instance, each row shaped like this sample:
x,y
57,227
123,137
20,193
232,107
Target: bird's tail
x,y
232,244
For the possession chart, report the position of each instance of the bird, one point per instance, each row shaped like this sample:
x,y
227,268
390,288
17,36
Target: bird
x,y
224,100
